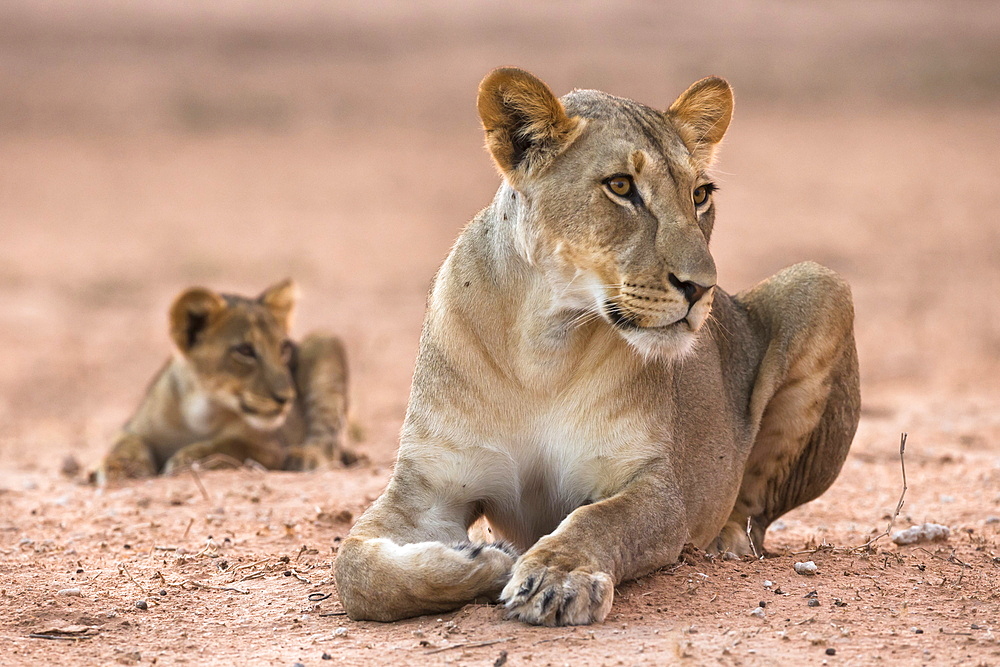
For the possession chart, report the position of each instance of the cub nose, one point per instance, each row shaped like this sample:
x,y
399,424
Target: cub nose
x,y
692,291
281,399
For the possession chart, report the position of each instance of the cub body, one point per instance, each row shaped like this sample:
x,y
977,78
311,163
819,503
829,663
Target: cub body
x,y
238,388
584,385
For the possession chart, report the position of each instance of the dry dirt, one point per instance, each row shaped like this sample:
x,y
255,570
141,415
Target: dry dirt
x,y
148,146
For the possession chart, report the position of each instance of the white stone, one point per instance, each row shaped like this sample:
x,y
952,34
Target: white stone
x,y
807,567
925,532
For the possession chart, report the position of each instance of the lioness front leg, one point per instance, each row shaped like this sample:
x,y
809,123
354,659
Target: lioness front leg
x,y
409,555
806,397
568,577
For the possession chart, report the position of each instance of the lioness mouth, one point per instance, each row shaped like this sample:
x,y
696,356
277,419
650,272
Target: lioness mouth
x,y
626,322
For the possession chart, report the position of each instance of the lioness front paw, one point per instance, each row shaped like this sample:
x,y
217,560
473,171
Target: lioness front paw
x,y
544,595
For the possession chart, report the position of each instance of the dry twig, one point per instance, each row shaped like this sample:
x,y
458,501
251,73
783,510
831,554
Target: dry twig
x,y
197,478
899,505
753,547
892,520
209,587
469,645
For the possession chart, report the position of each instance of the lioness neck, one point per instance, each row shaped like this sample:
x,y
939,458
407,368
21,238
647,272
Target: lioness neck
x,y
502,315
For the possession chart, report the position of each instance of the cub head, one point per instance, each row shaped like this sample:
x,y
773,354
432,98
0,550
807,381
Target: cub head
x,y
238,350
612,201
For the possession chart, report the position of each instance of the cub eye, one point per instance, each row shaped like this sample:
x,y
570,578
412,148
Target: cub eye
x,y
245,352
621,185
701,193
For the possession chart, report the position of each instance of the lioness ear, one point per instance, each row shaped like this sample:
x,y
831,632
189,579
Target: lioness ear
x,y
280,299
191,314
526,126
702,114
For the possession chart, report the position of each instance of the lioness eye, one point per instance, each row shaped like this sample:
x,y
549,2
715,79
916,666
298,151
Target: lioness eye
x,y
245,350
701,193
621,185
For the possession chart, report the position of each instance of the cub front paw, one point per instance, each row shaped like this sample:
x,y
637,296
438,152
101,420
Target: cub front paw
x,y
544,595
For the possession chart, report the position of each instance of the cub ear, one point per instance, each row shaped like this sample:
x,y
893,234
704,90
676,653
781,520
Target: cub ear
x,y
280,299
526,126
191,313
702,114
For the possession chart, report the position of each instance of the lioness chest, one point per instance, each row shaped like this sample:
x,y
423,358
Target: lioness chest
x,y
533,452
558,459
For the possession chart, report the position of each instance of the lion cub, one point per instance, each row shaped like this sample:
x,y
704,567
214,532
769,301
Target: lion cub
x,y
237,387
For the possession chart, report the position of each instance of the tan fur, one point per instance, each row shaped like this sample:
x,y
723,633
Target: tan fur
x,y
237,388
584,386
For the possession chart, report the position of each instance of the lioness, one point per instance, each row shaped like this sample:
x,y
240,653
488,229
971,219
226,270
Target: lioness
x,y
584,385
236,386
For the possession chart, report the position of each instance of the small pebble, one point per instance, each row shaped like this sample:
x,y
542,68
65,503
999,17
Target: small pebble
x,y
831,651
71,592
762,603
758,612
768,583
340,632
814,602
327,656
729,555
70,466
298,664
807,567
141,604
163,591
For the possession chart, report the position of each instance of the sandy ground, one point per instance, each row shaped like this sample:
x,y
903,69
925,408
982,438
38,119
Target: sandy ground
x,y
147,147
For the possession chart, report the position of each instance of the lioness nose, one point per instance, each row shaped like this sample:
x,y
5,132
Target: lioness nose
x,y
692,291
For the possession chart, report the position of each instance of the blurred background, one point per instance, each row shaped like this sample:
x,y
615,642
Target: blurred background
x,y
146,146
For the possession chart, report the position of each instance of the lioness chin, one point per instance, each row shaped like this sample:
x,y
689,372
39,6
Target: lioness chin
x,y
584,385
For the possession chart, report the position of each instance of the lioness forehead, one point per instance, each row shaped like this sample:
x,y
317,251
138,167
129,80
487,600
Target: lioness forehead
x,y
626,116
635,123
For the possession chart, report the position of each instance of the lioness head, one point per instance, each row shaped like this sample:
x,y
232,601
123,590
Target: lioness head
x,y
238,349
611,200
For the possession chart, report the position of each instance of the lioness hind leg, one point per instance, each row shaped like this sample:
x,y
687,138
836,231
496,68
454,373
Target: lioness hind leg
x,y
806,398
321,379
